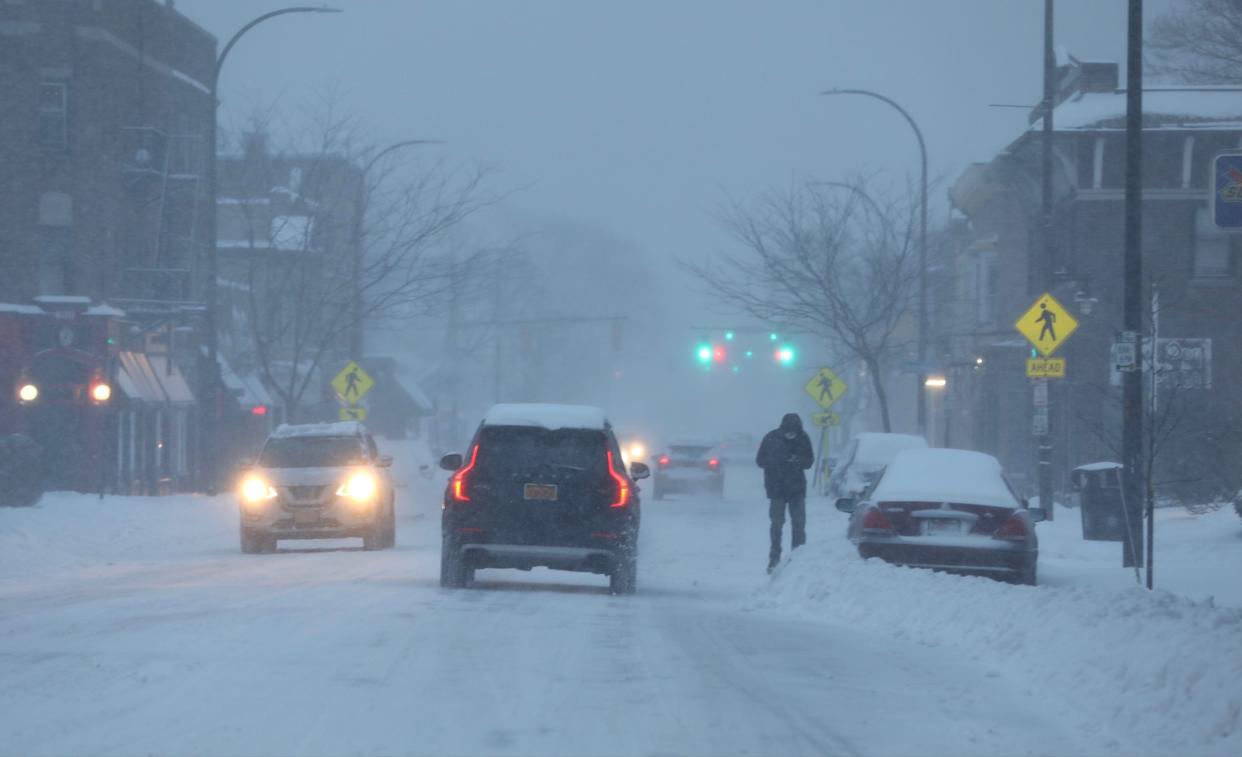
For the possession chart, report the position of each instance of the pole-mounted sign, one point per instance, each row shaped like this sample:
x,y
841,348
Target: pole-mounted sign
x,y
1227,190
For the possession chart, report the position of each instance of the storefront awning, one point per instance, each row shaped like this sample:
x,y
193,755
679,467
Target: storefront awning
x,y
136,379
171,380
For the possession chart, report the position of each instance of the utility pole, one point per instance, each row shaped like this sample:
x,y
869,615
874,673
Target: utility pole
x,y
1048,267
1132,322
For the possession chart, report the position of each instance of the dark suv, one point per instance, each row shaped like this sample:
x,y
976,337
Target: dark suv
x,y
541,485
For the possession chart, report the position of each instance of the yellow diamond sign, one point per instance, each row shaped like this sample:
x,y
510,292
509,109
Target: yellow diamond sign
x,y
1047,324
352,383
353,413
825,387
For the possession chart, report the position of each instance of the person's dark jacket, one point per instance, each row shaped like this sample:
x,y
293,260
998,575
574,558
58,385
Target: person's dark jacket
x,y
784,461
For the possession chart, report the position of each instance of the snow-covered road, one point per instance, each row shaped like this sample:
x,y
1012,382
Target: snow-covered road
x,y
133,626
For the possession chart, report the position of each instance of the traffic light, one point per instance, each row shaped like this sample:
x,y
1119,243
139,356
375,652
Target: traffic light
x,y
785,355
729,336
703,353
719,354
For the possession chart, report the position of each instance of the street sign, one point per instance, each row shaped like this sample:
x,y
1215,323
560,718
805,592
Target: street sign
x,y
1045,367
825,387
353,413
1227,190
1040,393
352,383
826,419
1039,422
1046,324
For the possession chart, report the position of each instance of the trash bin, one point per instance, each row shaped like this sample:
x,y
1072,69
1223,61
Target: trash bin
x,y
1097,493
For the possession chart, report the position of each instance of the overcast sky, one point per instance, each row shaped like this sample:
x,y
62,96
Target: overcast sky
x,y
640,116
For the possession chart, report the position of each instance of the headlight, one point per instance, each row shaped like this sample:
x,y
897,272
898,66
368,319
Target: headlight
x,y
360,487
637,451
255,490
28,393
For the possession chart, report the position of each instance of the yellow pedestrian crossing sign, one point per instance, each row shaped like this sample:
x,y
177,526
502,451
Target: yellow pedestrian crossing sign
x,y
353,413
825,387
352,384
1047,324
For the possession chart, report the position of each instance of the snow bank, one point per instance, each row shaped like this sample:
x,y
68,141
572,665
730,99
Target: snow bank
x,y
1154,658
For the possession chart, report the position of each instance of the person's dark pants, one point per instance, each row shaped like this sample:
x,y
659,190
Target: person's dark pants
x,y
797,517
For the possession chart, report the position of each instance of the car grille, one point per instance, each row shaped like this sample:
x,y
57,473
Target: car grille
x,y
310,495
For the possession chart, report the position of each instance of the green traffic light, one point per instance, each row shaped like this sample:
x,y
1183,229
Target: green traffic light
x,y
703,353
786,355
773,336
729,336
750,353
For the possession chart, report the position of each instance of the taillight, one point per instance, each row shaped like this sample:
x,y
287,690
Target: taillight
x,y
1014,528
714,464
875,520
458,484
663,461
623,485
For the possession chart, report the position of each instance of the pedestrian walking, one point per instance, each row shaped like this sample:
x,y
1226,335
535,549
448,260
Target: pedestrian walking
x,y
785,454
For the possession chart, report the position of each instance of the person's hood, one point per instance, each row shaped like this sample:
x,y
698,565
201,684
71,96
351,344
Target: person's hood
x,y
791,422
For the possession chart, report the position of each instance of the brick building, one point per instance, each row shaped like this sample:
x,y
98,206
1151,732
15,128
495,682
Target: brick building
x,y
991,278
102,208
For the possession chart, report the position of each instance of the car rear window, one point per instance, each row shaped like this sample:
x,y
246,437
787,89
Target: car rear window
x,y
513,449
690,452
312,452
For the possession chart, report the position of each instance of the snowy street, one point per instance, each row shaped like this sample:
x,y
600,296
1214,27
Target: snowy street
x,y
134,626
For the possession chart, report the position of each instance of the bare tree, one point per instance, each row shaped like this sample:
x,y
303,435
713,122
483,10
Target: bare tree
x,y
1199,41
327,247
835,264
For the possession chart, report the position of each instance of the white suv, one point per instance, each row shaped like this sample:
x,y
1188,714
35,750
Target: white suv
x,y
317,481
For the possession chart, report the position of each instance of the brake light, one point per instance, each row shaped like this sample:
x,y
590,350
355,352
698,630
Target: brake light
x,y
1014,528
714,464
875,520
663,461
623,484
458,483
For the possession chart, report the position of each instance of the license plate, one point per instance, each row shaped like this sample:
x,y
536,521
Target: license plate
x,y
306,517
942,527
540,491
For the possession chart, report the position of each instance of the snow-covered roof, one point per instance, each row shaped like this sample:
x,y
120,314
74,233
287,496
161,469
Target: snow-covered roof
x,y
105,310
62,299
944,475
9,307
1171,107
1099,466
547,416
876,448
342,428
415,391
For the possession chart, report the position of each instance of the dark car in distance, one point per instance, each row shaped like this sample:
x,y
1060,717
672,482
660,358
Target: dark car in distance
x,y
541,485
950,510
686,466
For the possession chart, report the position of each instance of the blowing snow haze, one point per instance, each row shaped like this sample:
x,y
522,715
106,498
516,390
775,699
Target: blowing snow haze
x,y
564,377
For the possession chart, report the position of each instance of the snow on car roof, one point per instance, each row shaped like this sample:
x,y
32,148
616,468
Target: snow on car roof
x,y
944,475
685,440
1099,466
545,415
876,448
343,428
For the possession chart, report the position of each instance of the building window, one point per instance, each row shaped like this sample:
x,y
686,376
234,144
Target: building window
x,y
1213,248
53,126
985,288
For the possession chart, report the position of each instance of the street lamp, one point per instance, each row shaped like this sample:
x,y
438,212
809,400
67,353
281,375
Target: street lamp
x,y
922,401
210,377
355,332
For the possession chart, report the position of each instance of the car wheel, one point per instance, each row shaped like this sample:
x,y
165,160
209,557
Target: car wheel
x,y
453,572
623,579
253,542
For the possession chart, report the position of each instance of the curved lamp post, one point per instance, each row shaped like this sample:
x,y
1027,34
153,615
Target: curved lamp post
x,y
922,316
355,330
211,378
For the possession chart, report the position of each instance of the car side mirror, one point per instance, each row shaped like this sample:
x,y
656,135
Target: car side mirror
x,y
1038,514
847,504
451,461
639,471
384,461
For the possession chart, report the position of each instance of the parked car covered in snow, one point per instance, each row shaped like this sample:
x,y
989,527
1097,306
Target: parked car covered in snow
x,y
688,465
950,510
318,481
864,457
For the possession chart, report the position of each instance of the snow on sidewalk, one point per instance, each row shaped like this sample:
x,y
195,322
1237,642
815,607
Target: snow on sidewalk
x,y
1165,671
